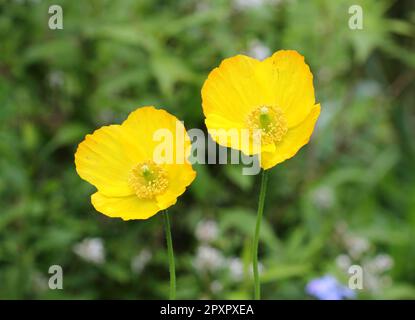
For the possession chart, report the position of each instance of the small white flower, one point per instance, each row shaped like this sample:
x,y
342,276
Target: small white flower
x,y
140,261
258,50
380,263
383,262
356,246
372,282
343,261
252,4
208,259
236,268
374,278
324,197
207,231
91,250
216,286
56,79
248,4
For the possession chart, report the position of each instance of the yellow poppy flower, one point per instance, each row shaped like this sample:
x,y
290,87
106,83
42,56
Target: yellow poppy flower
x,y
274,98
119,160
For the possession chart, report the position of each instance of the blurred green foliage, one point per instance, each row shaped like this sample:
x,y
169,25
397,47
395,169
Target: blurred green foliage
x,y
352,188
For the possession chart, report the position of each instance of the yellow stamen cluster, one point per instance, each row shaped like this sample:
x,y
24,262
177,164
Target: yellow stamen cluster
x,y
148,180
267,123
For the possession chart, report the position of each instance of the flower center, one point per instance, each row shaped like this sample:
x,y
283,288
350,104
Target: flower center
x,y
148,180
267,123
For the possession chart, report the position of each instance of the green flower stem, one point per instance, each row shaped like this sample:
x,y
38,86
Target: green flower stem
x,y
264,180
170,253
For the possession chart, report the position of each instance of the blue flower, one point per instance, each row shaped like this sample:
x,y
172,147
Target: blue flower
x,y
328,288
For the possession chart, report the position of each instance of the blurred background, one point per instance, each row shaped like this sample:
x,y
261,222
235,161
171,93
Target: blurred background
x,y
347,198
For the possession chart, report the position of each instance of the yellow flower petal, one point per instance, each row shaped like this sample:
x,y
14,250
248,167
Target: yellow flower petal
x,y
102,160
231,134
120,161
127,208
146,123
291,83
293,141
269,97
226,132
233,89
180,176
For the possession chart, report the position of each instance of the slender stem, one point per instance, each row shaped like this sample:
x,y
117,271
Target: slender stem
x,y
261,201
170,253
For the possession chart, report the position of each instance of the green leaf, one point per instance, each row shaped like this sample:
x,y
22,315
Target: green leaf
x,y
69,134
244,221
234,173
284,272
